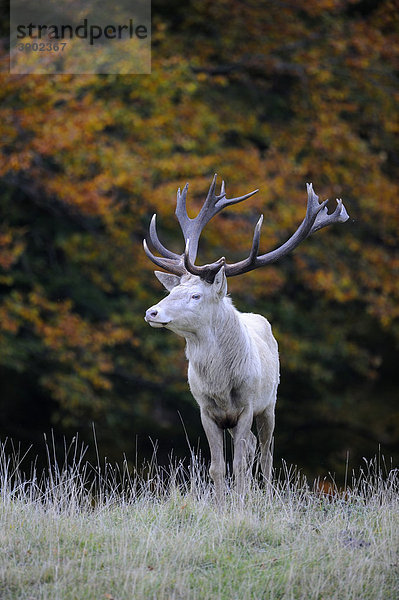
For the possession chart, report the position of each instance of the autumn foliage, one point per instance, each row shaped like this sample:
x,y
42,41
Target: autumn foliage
x,y
270,95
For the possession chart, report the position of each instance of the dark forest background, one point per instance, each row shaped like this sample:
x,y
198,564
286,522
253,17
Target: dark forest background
x,y
269,95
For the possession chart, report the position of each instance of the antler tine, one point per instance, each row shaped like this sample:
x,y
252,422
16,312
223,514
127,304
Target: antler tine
x,y
191,228
157,243
256,239
173,265
323,218
181,210
215,203
250,262
229,201
208,208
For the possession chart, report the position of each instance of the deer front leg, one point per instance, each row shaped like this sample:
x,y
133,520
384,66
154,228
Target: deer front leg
x,y
215,440
244,449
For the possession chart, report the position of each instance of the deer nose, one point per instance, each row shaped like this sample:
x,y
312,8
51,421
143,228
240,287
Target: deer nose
x,y
151,313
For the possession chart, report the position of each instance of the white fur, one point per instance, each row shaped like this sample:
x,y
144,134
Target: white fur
x,y
233,369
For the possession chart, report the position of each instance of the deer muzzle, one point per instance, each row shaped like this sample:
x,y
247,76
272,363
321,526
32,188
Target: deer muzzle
x,y
153,318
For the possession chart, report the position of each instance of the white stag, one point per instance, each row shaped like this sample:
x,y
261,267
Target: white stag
x,y
233,369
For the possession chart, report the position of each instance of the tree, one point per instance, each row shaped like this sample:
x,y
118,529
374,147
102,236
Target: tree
x,y
270,95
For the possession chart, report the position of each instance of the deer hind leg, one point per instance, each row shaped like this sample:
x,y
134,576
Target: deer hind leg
x,y
215,440
251,449
265,427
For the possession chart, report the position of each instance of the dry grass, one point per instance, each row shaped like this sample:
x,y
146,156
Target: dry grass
x,y
84,533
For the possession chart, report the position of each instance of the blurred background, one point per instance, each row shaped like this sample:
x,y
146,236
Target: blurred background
x,y
269,95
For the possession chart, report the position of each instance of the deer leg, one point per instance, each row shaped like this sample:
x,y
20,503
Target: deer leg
x,y
244,449
265,427
215,440
251,449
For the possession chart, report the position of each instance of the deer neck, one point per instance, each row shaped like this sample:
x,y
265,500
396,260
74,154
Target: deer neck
x,y
221,345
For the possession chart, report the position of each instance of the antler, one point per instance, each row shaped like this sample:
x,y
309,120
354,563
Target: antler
x,y
191,229
316,218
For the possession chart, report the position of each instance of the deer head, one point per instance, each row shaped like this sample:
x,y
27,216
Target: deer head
x,y
316,218
191,305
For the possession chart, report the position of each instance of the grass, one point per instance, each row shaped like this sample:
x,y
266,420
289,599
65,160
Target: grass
x,y
78,532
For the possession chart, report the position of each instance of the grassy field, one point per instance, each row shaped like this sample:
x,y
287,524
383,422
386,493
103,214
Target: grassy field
x,y
98,533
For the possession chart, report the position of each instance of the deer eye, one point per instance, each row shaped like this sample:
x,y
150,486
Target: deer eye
x,y
196,296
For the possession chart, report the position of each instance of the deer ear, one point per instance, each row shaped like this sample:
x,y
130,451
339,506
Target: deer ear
x,y
168,280
220,283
